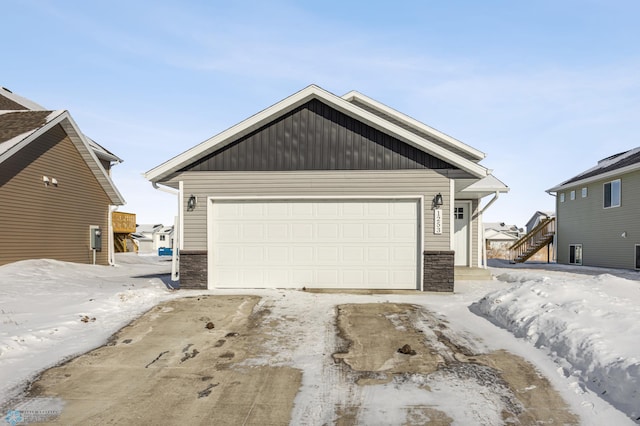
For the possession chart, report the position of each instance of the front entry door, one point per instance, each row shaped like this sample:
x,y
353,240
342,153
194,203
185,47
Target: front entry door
x,y
461,213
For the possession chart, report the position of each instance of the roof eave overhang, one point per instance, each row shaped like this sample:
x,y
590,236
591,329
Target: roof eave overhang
x,y
90,157
484,187
355,95
591,179
254,122
77,138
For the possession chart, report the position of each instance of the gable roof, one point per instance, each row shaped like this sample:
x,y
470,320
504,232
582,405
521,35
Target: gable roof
x,y
24,127
497,235
536,217
11,101
413,125
411,137
614,165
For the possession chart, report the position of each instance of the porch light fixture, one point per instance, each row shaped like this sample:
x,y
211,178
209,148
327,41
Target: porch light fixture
x,y
437,201
191,203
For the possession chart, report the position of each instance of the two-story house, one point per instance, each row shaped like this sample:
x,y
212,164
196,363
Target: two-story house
x,y
598,220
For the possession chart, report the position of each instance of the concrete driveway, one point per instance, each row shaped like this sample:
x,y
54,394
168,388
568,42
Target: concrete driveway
x,y
243,360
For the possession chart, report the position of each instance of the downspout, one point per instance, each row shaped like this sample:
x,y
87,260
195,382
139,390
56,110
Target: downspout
x,y
111,256
484,243
175,264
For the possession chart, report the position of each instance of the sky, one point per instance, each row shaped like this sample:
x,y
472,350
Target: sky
x,y
545,88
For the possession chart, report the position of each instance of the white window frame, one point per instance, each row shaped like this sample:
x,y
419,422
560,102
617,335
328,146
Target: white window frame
x,y
584,192
562,197
572,194
577,260
611,193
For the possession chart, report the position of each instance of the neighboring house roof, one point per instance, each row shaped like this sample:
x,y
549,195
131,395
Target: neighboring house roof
x,y
19,129
500,226
496,235
536,218
11,101
102,152
614,165
382,118
148,228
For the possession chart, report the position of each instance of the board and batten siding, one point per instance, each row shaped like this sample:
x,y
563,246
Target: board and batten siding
x,y
600,231
38,221
313,184
315,136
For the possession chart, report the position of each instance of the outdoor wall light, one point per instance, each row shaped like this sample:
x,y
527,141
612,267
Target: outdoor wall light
x,y
191,203
45,180
437,201
54,181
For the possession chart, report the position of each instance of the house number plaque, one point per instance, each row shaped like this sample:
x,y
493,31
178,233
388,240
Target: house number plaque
x,y
437,221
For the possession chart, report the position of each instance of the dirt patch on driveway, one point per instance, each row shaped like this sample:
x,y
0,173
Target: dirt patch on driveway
x,y
399,344
178,364
231,360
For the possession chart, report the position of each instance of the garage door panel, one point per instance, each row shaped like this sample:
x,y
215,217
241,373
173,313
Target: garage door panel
x,y
328,210
302,231
314,243
303,255
352,230
353,254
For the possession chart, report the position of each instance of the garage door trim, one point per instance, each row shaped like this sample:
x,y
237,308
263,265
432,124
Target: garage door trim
x,y
419,225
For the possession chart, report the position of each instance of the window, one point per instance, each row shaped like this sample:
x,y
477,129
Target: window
x,y
162,237
584,192
575,254
637,256
562,197
572,195
458,212
612,194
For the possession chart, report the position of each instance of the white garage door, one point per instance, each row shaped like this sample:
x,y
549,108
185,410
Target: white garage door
x,y
314,243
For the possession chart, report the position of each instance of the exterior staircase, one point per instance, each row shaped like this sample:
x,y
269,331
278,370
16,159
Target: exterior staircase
x,y
539,237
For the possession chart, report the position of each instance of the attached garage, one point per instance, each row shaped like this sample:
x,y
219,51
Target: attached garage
x,y
322,191
326,243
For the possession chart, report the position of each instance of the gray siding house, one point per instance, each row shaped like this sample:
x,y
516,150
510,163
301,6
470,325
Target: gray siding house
x,y
325,191
598,214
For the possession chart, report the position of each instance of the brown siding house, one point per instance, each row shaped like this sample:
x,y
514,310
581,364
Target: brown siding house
x,y
54,188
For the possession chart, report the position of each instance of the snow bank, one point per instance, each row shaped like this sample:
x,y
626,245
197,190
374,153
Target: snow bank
x,y
590,325
52,310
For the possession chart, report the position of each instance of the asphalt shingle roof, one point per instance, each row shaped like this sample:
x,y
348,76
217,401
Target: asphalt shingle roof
x,y
16,123
609,164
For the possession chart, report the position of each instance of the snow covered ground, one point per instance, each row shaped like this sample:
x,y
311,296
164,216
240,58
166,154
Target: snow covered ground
x,y
588,322
578,326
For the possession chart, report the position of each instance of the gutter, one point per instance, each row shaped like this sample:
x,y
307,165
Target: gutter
x,y
165,189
